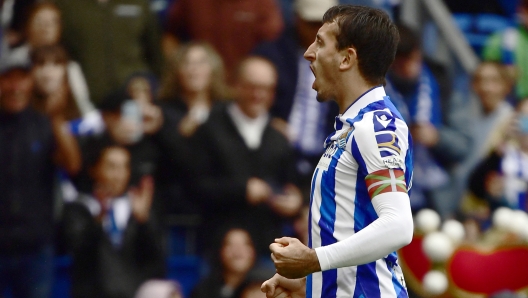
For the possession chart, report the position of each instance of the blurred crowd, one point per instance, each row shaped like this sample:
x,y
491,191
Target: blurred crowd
x,y
119,117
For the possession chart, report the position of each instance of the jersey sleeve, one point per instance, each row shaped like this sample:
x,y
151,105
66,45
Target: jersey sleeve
x,y
380,146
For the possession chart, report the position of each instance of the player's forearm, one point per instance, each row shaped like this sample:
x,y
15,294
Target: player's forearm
x,y
392,230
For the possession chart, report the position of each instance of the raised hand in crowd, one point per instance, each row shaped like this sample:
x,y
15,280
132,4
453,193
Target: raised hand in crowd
x,y
141,199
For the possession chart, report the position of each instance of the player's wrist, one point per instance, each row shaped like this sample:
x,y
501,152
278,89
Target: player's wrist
x,y
315,266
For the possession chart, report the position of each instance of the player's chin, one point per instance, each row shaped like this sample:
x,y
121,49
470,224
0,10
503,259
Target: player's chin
x,y
321,97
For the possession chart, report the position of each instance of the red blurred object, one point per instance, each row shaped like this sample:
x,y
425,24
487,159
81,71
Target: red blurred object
x,y
414,263
487,272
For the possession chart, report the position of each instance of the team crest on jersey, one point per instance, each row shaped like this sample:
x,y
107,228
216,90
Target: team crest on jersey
x,y
385,132
342,139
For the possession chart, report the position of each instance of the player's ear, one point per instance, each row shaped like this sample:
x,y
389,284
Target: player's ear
x,y
348,58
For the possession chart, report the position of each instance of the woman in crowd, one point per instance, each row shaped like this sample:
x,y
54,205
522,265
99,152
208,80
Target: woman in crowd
x,y
229,274
52,91
43,28
193,81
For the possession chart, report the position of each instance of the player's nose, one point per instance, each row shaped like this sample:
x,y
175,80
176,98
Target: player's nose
x,y
310,53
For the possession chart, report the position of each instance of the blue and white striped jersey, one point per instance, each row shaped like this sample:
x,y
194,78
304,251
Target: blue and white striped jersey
x,y
369,153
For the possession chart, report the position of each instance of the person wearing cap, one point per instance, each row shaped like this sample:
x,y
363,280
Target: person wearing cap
x,y
304,121
360,211
32,145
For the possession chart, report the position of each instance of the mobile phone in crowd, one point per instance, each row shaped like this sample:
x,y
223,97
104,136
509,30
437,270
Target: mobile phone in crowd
x,y
131,114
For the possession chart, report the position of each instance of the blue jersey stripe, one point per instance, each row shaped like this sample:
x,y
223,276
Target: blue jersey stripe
x,y
367,282
327,221
409,164
329,283
398,288
309,285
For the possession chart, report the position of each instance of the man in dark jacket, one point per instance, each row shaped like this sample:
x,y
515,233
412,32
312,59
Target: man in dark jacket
x,y
31,145
246,166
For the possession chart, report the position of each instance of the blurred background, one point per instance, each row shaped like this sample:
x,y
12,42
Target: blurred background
x,y
154,148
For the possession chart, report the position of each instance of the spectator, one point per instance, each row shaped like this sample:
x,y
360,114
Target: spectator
x,y
491,84
111,40
297,114
439,141
31,145
509,47
124,121
192,83
502,178
230,271
43,29
160,125
141,87
52,91
246,166
110,231
234,28
194,80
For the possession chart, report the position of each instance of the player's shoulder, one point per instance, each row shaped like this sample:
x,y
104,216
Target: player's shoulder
x,y
379,121
380,137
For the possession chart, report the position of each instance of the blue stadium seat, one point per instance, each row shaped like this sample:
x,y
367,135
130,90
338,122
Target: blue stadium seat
x,y
478,27
62,282
186,270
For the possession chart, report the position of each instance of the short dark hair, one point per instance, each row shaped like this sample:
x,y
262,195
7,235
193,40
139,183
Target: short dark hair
x,y
371,32
409,41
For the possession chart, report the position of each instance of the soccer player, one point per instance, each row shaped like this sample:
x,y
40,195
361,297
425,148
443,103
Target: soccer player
x,y
359,207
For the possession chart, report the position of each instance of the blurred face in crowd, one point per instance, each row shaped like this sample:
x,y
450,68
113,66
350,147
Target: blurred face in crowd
x,y
238,253
124,130
255,87
408,67
112,171
49,76
140,90
195,71
44,28
490,85
16,87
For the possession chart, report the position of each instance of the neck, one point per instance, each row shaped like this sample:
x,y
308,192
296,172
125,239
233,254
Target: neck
x,y
233,279
196,98
350,95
